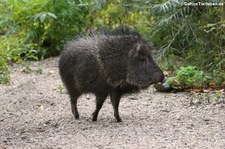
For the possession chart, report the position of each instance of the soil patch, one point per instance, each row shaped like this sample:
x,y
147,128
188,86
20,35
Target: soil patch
x,y
35,114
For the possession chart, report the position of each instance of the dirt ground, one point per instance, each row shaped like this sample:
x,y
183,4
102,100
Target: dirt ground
x,y
35,114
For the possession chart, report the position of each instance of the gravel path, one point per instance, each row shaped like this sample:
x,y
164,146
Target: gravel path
x,y
34,114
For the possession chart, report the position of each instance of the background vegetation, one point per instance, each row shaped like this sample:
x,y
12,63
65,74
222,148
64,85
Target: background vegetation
x,y
190,39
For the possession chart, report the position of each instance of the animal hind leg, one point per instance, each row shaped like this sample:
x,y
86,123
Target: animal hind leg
x,y
74,95
73,101
100,99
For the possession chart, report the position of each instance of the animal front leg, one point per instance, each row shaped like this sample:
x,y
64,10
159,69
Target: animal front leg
x,y
115,100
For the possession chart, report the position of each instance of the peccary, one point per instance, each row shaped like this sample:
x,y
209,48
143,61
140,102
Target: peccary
x,y
112,63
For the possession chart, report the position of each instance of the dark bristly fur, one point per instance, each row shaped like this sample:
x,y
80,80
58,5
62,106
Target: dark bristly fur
x,y
112,63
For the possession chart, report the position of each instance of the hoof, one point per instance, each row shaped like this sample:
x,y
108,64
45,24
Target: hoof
x,y
76,117
118,119
94,117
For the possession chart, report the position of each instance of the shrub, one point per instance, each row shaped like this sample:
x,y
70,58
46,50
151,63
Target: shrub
x,y
191,77
114,13
194,34
43,25
35,29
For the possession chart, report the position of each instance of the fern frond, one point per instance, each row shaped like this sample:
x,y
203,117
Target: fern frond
x,y
167,6
178,14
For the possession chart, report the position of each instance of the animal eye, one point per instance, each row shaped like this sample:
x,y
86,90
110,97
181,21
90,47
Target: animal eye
x,y
143,59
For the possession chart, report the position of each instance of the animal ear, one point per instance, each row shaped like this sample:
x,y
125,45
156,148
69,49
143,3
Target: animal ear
x,y
137,50
138,47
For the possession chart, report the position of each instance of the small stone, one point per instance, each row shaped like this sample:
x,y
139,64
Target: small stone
x,y
51,72
133,98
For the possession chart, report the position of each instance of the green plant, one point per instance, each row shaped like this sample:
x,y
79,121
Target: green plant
x,y
36,29
14,49
194,34
71,20
60,89
43,25
4,71
27,70
188,77
39,71
114,13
